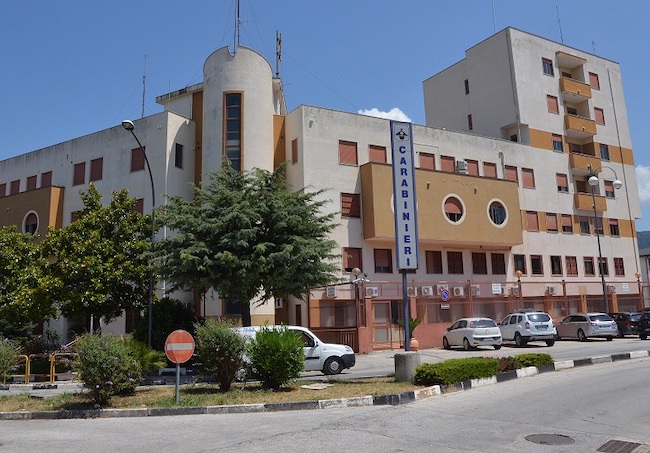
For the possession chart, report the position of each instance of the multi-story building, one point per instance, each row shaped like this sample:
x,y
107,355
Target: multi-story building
x,y
506,214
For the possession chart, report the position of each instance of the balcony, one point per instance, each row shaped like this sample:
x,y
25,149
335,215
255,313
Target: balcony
x,y
579,126
569,61
584,202
574,91
581,163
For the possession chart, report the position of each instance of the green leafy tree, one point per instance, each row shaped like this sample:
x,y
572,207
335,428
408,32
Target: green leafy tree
x,y
248,236
100,261
168,315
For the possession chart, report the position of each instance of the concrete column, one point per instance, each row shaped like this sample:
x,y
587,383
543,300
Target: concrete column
x,y
405,365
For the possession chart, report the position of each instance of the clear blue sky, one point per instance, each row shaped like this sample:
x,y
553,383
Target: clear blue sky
x,y
71,68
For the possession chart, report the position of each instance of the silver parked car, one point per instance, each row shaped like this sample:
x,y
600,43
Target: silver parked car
x,y
586,325
528,325
472,332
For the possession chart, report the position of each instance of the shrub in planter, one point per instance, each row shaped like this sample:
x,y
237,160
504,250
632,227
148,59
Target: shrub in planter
x,y
538,360
453,371
107,366
8,357
507,364
220,350
276,356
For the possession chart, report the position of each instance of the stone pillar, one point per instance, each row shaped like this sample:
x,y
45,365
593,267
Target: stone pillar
x,y
405,365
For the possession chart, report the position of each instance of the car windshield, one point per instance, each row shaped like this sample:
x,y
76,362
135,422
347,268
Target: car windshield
x,y
635,317
539,317
483,323
600,318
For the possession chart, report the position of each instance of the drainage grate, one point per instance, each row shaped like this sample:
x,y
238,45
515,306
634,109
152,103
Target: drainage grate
x,y
550,439
619,446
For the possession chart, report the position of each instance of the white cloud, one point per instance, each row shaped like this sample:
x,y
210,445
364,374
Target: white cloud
x,y
394,114
643,181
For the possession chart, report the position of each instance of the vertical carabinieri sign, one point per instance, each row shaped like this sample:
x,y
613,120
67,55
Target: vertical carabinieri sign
x,y
406,221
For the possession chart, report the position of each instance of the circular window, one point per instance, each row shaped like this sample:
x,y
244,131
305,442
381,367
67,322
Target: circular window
x,y
497,213
454,209
30,223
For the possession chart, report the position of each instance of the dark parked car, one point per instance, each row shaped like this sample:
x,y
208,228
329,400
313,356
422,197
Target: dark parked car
x,y
627,323
644,325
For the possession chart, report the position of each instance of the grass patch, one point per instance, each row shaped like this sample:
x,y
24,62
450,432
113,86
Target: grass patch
x,y
210,395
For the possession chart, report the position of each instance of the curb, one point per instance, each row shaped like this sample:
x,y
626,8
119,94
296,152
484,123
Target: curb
x,y
383,400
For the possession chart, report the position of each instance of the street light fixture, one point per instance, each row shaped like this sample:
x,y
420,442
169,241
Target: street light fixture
x,y
129,126
593,182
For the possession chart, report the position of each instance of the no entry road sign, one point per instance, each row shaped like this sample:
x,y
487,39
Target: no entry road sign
x,y
179,346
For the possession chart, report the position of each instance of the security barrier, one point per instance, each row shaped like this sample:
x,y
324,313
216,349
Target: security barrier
x,y
22,358
61,358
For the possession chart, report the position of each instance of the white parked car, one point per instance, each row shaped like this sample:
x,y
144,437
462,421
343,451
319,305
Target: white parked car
x,y
528,325
585,325
472,332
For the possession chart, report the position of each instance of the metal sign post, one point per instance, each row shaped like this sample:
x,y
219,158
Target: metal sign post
x,y
179,347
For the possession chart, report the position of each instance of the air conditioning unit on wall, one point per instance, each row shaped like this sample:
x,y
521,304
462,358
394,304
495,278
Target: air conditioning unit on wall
x,y
427,290
550,290
476,290
441,288
611,289
412,291
514,291
459,291
461,167
372,291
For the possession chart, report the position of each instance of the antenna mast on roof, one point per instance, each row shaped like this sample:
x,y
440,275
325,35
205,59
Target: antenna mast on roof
x,y
494,17
237,25
278,52
557,10
144,83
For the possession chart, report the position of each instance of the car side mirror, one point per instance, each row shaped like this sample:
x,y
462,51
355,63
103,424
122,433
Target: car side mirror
x,y
448,329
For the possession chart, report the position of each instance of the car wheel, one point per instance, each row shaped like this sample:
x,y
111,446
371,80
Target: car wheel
x,y
610,338
466,345
581,335
550,343
643,337
497,347
333,365
519,340
445,343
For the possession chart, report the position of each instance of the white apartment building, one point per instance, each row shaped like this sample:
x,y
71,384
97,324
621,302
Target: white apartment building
x,y
513,133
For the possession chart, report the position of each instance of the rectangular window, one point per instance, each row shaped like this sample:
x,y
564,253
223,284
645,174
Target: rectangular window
x,y
479,263
598,224
350,205
581,186
556,265
619,267
455,262
575,148
528,178
14,188
466,86
567,223
557,143
489,169
139,206
96,169
572,111
551,222
547,66
562,182
178,156
79,176
571,266
511,173
514,138
604,152
472,167
470,122
609,189
31,182
536,265
585,225
498,263
532,223
614,229
233,128
377,154
3,190
551,103
294,151
383,261
137,159
604,267
447,164
46,179
348,153
589,266
593,81
520,263
427,161
351,258
434,261
599,115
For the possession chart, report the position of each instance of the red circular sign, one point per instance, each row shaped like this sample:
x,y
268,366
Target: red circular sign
x,y
179,346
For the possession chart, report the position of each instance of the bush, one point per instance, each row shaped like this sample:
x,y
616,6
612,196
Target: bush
x,y
276,356
524,360
149,359
107,366
507,364
455,370
220,349
8,357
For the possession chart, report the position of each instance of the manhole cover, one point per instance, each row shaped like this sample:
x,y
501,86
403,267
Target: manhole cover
x,y
550,439
619,446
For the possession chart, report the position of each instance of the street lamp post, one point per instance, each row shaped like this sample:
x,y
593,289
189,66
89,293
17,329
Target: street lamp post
x,y
593,182
129,126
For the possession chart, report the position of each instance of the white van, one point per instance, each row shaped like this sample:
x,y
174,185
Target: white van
x,y
326,357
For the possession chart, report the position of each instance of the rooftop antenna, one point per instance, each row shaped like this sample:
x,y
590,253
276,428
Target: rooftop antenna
x,y
593,47
278,52
237,26
559,23
494,17
144,83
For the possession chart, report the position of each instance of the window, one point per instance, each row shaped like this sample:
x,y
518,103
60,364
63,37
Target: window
x,y
551,103
479,263
46,179
589,266
383,261
599,225
511,173
455,262
231,307
79,176
472,167
447,164
572,111
427,161
567,223
536,265
520,263
547,66
3,189
14,187
351,258
498,263
489,169
434,262
613,228
604,152
556,265
497,213
619,267
347,153
585,225
557,143
593,81
31,223
528,178
609,189
453,209
137,159
599,115
139,206
575,148
178,156
294,151
350,205
532,223
466,86
581,186
604,268
571,266
551,222
31,182
233,129
96,169
470,122
562,182
514,138
377,154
